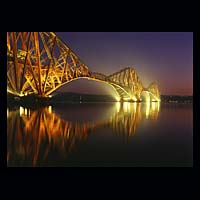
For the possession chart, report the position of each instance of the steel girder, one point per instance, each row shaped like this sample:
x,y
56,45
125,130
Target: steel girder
x,y
127,84
40,62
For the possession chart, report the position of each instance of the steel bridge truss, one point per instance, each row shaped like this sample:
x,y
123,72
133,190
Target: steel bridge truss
x,y
40,62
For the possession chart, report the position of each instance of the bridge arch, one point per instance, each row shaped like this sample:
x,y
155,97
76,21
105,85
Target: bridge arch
x,y
40,63
148,96
121,93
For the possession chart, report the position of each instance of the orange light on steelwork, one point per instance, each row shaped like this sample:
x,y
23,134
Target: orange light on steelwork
x,y
40,63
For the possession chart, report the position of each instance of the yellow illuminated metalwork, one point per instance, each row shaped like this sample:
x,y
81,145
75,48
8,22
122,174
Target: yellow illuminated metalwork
x,y
117,98
40,63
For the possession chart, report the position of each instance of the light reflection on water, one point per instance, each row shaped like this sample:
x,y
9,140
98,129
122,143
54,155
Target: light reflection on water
x,y
33,134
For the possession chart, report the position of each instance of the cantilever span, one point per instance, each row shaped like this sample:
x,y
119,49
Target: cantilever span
x,y
40,63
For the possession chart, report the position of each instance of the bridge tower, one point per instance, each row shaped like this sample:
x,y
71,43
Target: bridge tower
x,y
40,62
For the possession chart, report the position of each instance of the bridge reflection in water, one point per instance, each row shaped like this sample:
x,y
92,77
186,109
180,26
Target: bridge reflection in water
x,y
33,135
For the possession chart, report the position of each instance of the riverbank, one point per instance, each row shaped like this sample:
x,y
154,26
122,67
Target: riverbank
x,y
74,98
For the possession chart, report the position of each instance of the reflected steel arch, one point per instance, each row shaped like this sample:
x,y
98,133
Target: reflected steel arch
x,y
33,134
40,62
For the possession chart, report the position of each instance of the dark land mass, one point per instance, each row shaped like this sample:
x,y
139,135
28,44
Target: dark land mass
x,y
176,99
81,98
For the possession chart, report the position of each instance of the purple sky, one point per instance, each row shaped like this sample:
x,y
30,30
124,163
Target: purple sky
x,y
164,57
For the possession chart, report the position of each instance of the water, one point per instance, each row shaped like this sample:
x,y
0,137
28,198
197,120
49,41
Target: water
x,y
101,134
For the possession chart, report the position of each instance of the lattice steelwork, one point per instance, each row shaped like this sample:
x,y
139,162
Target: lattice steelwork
x,y
153,89
127,84
40,62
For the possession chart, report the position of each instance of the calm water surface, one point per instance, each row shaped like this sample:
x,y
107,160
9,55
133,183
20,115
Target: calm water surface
x,y
101,134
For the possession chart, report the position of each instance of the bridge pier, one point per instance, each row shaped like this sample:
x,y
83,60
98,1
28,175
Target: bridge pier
x,y
34,71
129,100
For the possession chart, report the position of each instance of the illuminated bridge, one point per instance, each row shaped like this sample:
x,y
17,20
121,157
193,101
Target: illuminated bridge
x,y
40,62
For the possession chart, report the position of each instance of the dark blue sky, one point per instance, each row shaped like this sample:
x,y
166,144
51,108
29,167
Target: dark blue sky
x,y
164,57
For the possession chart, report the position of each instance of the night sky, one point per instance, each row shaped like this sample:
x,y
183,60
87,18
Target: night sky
x,y
163,57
